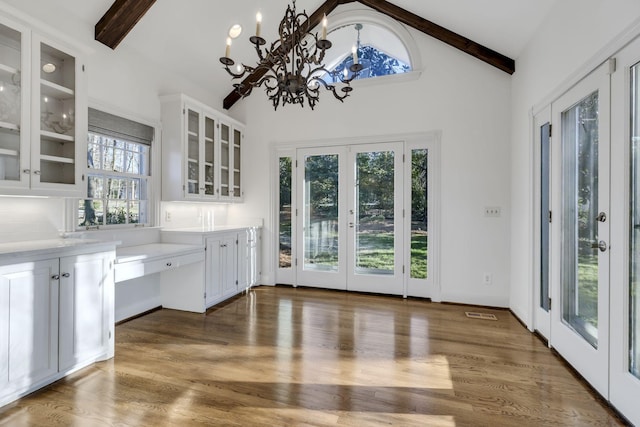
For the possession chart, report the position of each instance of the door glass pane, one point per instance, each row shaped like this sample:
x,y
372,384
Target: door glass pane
x,y
419,214
224,160
285,213
579,223
544,216
634,253
193,153
57,121
375,197
209,156
321,212
10,103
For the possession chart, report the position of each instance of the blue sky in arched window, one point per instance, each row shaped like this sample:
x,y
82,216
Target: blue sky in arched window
x,y
375,62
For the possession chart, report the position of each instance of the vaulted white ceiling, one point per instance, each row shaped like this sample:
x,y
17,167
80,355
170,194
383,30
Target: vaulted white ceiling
x,y
187,36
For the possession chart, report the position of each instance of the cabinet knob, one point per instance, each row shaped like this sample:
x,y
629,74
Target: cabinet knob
x,y
66,275
55,277
168,264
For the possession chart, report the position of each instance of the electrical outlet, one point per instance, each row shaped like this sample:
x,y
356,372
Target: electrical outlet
x,y
167,216
487,279
492,211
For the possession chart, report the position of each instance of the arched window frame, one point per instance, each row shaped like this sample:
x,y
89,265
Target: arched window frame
x,y
353,13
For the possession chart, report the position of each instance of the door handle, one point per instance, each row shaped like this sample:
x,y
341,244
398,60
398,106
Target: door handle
x,y
350,225
602,245
602,217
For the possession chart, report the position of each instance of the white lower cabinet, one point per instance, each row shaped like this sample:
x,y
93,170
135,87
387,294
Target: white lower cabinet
x,y
55,317
86,285
231,263
28,325
221,267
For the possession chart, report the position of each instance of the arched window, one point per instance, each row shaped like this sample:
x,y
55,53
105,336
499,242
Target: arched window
x,y
379,50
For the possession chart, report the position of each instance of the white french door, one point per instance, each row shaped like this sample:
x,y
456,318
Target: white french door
x,y
580,227
322,217
624,367
359,217
375,225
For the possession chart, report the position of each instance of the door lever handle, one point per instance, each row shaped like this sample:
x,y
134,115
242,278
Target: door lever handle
x,y
602,217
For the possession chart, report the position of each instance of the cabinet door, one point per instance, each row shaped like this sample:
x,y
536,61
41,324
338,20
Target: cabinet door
x,y
59,118
193,155
209,178
28,325
236,153
213,286
85,281
226,153
14,106
229,265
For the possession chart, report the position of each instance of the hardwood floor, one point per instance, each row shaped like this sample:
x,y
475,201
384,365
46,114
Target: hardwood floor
x,y
283,356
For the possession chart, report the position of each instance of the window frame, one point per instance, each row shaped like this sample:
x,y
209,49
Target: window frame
x,y
153,179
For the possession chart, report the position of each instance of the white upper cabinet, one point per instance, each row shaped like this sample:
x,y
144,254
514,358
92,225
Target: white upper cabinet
x,y
201,152
43,115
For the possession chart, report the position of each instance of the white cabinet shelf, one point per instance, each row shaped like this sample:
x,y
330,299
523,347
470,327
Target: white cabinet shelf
x,y
56,136
55,90
7,72
57,159
11,153
9,126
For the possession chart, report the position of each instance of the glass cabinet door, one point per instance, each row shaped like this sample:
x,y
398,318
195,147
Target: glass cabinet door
x,y
209,156
55,160
193,152
237,140
225,157
13,158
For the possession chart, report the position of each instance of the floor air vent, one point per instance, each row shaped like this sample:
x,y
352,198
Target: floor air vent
x,y
483,316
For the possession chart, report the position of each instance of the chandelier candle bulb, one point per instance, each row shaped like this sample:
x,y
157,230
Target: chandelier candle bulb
x,y
227,51
324,27
354,51
258,23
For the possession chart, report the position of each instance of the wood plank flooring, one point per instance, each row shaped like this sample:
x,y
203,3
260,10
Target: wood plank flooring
x,y
304,357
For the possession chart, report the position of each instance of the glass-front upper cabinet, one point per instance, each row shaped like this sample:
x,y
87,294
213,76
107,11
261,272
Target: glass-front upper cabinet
x,y
230,161
42,109
14,106
57,145
200,156
201,152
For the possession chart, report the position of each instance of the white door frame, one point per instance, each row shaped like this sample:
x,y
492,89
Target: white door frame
x,y
429,140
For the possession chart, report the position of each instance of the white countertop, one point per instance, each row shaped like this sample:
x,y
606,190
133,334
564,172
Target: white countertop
x,y
154,251
208,229
12,250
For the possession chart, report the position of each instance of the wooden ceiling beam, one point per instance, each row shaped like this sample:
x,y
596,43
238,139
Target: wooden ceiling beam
x,y
462,43
314,19
121,17
470,47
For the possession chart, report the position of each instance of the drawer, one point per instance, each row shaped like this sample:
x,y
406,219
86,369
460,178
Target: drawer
x,y
133,269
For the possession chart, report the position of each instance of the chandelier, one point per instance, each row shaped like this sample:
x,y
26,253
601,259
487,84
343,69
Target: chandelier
x,y
292,70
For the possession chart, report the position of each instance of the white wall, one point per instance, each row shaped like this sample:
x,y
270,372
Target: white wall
x,y
572,34
469,101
